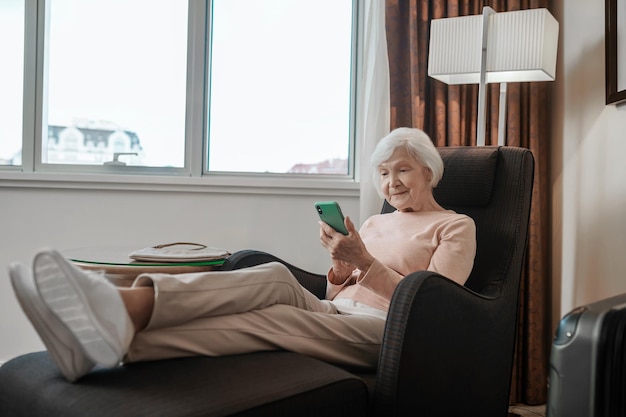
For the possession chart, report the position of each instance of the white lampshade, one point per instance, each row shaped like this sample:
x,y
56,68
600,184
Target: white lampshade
x,y
521,46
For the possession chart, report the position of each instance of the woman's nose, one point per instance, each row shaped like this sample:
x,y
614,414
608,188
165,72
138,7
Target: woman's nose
x,y
394,179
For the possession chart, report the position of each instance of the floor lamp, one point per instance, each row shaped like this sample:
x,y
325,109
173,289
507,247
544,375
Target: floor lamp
x,y
494,48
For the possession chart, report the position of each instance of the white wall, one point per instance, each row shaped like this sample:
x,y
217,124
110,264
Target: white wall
x,y
589,172
32,218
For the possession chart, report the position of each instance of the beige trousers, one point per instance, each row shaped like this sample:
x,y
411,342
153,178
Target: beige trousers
x,y
249,310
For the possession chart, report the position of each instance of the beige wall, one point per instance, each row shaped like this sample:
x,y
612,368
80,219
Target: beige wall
x,y
589,172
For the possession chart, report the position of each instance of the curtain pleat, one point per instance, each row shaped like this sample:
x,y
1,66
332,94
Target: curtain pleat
x,y
449,115
372,102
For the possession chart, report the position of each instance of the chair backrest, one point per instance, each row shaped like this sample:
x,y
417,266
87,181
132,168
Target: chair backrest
x,y
492,185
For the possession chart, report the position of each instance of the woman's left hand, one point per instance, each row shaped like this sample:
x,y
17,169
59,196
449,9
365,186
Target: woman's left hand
x,y
345,250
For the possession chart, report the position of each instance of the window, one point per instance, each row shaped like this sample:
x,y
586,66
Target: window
x,y
280,86
172,87
11,80
117,76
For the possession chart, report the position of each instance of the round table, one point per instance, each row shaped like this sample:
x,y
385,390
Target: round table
x,y
122,270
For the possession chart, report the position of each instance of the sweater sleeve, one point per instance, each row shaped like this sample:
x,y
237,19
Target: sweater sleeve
x,y
380,279
454,256
333,289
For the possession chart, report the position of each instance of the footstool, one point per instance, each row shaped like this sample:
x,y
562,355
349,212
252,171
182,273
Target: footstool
x,y
245,385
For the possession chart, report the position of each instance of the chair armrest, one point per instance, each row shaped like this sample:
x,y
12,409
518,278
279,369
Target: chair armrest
x,y
315,283
439,351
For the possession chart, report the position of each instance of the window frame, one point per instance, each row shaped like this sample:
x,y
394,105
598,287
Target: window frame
x,y
195,173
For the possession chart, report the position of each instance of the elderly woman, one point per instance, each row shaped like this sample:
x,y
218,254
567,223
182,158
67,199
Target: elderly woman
x,y
84,320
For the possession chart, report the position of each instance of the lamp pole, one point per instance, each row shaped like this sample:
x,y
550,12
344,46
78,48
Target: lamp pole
x,y
482,90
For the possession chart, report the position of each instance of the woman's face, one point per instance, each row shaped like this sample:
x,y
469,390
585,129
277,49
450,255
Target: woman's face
x,y
404,182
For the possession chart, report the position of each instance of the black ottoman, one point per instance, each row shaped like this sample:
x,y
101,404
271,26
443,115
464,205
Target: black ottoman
x,y
260,384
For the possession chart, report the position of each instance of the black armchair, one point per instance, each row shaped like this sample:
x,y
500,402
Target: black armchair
x,y
447,350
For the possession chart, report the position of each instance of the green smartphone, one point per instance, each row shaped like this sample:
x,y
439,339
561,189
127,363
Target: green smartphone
x,y
330,213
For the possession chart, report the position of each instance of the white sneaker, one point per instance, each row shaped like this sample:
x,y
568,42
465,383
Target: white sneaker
x,y
65,350
89,305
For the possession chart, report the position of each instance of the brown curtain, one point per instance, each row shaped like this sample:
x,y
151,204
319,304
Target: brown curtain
x,y
449,114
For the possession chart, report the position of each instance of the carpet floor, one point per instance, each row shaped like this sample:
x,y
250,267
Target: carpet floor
x,y
527,410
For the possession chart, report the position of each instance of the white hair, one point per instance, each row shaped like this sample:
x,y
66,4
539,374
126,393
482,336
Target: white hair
x,y
417,144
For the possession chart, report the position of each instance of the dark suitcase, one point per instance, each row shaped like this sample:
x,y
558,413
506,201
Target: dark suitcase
x,y
588,362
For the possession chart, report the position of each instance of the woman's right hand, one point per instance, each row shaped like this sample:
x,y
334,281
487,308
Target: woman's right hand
x,y
347,252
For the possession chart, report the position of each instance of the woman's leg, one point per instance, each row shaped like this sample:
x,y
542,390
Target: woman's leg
x,y
186,297
347,340
139,303
98,317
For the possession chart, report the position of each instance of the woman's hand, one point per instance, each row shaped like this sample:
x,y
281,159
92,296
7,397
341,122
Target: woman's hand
x,y
346,252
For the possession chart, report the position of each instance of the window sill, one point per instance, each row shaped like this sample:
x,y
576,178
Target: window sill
x,y
207,184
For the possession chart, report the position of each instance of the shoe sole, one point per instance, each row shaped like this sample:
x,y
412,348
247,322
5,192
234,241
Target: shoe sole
x,y
56,282
63,347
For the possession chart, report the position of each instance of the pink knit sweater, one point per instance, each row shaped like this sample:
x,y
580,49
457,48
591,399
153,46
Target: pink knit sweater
x,y
405,242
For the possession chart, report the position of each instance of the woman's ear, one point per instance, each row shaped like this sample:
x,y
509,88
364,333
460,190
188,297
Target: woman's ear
x,y
429,174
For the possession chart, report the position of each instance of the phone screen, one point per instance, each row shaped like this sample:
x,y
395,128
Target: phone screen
x,y
330,213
